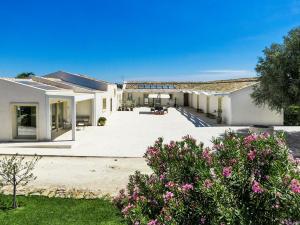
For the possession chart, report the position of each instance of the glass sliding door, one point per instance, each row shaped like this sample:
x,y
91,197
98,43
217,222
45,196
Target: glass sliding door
x,y
26,122
57,112
59,121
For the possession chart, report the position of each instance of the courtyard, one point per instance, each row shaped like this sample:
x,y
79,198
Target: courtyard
x,y
129,133
102,158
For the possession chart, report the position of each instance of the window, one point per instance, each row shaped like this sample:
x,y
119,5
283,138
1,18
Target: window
x,y
115,92
104,104
171,96
130,96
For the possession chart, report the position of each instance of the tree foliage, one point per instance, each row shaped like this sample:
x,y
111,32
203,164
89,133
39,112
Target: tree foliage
x,y
25,75
279,74
17,171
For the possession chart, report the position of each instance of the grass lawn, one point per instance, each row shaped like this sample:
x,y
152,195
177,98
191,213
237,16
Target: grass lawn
x,y
37,210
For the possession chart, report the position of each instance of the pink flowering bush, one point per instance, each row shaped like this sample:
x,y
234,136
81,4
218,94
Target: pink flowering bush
x,y
240,180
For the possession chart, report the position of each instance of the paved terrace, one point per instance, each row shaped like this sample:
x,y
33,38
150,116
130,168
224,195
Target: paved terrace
x,y
128,134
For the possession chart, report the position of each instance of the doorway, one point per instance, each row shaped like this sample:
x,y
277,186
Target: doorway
x,y
186,99
25,122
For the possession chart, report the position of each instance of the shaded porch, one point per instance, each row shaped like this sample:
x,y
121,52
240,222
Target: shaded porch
x,y
65,110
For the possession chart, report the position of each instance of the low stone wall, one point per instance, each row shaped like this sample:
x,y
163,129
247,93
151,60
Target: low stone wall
x,y
58,192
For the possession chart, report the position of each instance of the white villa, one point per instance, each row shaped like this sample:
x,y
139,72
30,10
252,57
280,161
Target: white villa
x,y
42,108
228,99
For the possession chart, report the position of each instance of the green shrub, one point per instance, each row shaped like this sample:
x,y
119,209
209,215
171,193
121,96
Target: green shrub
x,y
292,116
101,121
240,180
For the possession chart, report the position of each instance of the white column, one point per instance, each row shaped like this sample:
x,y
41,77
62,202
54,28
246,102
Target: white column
x,y
48,118
95,110
73,112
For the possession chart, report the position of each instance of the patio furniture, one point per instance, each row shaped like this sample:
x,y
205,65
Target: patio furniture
x,y
80,126
83,121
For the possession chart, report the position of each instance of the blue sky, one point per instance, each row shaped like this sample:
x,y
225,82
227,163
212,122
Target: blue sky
x,y
142,39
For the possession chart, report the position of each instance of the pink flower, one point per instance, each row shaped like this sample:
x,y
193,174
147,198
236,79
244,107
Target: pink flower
x,y
227,171
218,147
152,222
168,218
267,152
232,161
256,187
162,177
126,210
207,156
280,142
265,135
187,187
170,184
168,196
208,183
295,186
249,139
251,155
202,220
152,151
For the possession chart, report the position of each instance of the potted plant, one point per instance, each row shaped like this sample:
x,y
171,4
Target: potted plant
x,y
101,121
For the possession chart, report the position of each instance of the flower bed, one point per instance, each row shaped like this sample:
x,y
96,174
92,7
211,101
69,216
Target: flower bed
x,y
240,180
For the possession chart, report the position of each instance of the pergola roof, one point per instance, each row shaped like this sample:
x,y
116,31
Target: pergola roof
x,y
216,86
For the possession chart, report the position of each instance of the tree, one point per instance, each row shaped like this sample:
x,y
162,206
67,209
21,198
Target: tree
x,y
25,75
279,74
17,172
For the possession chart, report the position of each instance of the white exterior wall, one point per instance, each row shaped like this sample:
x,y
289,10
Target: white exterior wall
x,y
245,112
12,93
111,93
213,104
193,102
202,102
226,110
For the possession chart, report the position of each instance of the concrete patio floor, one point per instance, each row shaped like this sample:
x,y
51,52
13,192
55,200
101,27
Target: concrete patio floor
x,y
128,134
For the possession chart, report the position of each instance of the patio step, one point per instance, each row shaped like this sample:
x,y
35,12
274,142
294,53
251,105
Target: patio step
x,y
51,145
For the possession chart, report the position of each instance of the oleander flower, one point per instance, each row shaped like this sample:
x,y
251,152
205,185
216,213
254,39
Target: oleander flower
x,y
249,139
256,187
170,184
168,196
208,183
251,155
187,187
295,186
227,171
207,156
127,209
153,222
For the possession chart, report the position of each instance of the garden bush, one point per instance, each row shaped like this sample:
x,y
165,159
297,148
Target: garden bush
x,y
240,180
292,115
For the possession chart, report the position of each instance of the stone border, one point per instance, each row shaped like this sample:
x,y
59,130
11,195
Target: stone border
x,y
57,192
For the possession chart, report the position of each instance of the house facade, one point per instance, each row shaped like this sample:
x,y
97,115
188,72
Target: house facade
x,y
229,99
42,108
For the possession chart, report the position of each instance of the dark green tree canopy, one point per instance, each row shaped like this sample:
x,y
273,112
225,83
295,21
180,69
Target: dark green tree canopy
x,y
25,75
279,74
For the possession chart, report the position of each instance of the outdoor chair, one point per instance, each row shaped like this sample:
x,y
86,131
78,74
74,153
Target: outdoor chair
x,y
83,121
